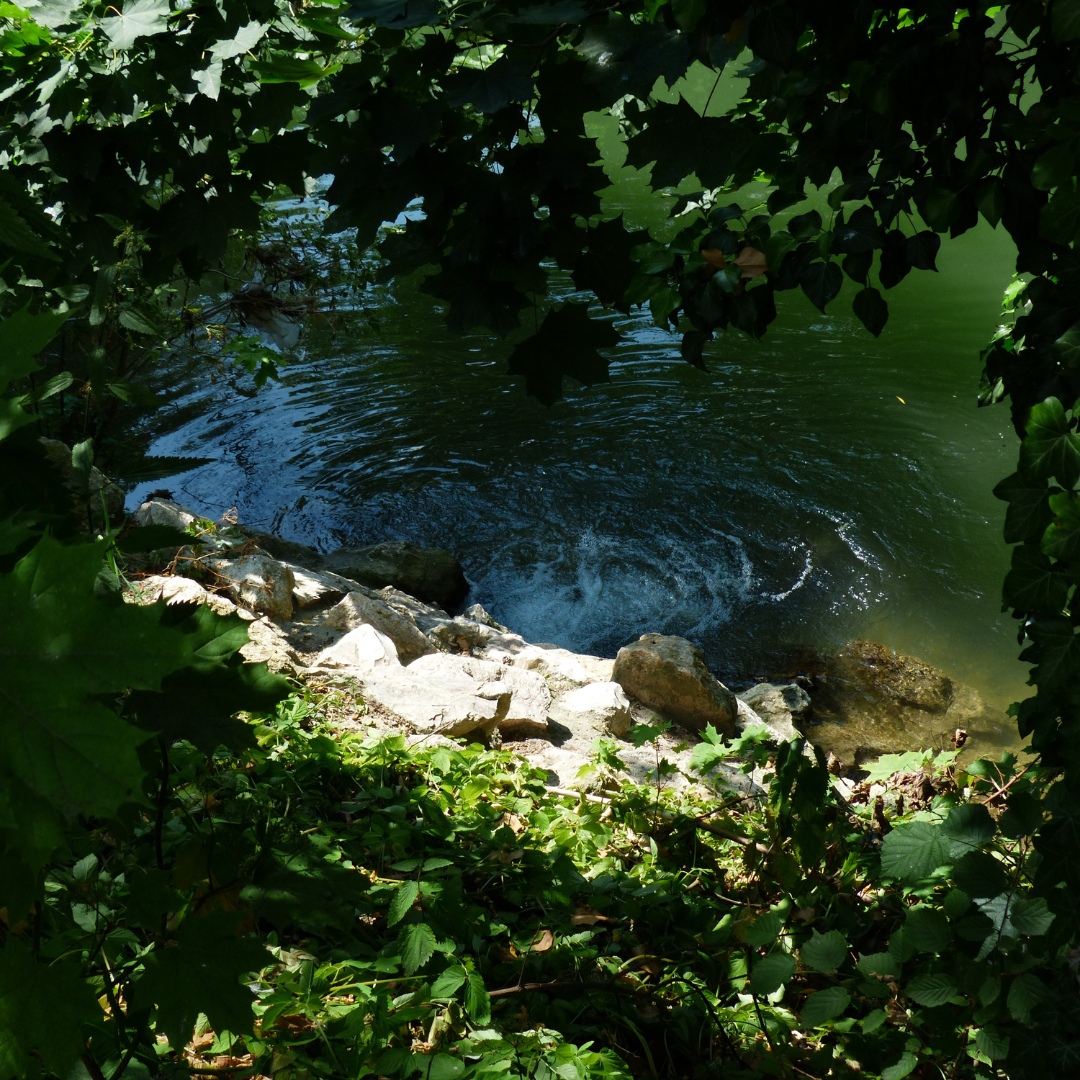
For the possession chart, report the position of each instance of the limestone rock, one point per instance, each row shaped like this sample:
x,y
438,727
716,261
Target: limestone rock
x,y
163,512
601,706
176,590
314,588
268,645
529,696
258,583
780,707
881,672
669,674
442,699
365,650
429,574
562,669
477,614
777,722
357,608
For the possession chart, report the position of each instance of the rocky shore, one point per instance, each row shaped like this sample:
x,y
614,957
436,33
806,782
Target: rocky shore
x,y
383,626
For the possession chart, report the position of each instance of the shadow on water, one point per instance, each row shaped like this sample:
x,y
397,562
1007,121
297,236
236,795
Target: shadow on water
x,y
787,498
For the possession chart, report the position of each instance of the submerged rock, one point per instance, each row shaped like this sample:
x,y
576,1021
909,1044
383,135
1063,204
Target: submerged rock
x,y
429,574
881,672
669,674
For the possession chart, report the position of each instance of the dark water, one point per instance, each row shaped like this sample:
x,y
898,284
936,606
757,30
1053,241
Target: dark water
x,y
786,498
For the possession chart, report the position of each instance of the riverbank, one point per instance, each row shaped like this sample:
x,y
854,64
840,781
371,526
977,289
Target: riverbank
x,y
427,664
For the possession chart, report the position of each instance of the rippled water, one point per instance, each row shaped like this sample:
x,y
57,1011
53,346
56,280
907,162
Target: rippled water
x,y
786,498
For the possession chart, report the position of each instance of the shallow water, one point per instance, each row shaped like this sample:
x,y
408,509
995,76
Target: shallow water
x,y
787,498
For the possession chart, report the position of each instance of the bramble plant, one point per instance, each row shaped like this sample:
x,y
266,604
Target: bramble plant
x,y
168,871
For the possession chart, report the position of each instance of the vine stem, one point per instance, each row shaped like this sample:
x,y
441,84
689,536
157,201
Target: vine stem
x,y
768,1037
159,824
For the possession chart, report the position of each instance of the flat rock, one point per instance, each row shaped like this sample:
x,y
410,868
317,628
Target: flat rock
x,y
258,582
358,608
429,574
601,706
365,650
529,696
669,674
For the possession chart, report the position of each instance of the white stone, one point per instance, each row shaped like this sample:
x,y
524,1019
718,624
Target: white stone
x,y
600,706
311,588
258,583
365,650
529,696
268,645
176,590
359,608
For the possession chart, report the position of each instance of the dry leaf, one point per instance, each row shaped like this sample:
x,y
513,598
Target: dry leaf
x,y
543,941
587,916
751,261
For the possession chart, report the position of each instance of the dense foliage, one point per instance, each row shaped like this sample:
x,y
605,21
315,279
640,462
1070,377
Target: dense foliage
x,y
145,865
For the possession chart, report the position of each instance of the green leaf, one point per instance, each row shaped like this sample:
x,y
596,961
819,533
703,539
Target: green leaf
x,y
931,990
980,875
143,18
566,344
1026,993
824,1006
247,37
902,1068
805,226
139,321
477,999
417,942
990,200
204,972
439,1066
22,337
1056,651
1055,167
491,88
774,34
42,1009
1050,448
969,826
881,963
1062,537
993,1042
771,972
288,69
688,13
17,234
766,929
151,538
404,898
449,982
821,281
824,952
395,14
889,765
941,208
1031,916
927,929
871,310
913,851
860,234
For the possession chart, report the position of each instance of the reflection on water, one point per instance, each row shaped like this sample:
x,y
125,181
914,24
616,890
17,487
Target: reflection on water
x,y
786,498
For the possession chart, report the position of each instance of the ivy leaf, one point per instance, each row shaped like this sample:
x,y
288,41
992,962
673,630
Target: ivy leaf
x,y
860,234
1059,219
821,281
143,18
805,226
1056,651
1050,448
402,903
566,344
921,250
824,952
1062,537
771,972
941,208
202,973
913,851
871,310
824,1006
1029,510
417,942
42,1009
931,990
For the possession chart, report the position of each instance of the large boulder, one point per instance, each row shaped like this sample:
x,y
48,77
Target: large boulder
x,y
317,588
258,582
429,574
669,674
597,707
364,650
781,707
358,609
